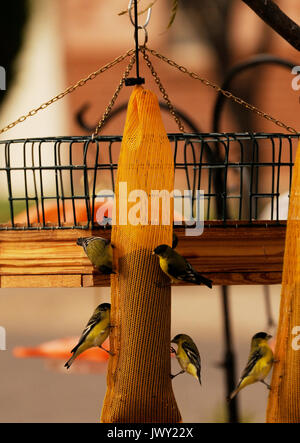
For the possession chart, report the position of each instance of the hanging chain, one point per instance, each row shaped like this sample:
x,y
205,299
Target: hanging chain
x,y
217,88
114,98
182,69
162,89
70,89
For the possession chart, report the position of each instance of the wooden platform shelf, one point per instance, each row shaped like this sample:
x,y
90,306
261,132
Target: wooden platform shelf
x,y
235,255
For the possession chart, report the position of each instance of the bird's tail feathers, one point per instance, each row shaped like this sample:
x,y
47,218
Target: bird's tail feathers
x,y
233,394
199,376
69,362
205,281
75,348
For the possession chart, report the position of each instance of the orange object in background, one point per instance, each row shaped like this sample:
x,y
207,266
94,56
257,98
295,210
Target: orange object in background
x,y
66,212
56,352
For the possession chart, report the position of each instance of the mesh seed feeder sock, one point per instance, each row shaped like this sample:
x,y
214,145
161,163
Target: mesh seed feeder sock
x,y
139,388
139,384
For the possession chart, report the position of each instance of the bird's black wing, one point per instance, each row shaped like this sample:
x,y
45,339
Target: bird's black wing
x,y
179,268
182,270
93,321
193,354
173,271
187,273
191,274
253,359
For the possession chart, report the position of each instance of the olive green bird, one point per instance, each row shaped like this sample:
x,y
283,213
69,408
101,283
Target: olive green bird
x,y
100,252
95,333
188,356
259,363
178,268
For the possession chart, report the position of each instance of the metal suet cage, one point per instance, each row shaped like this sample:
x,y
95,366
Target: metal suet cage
x,y
68,173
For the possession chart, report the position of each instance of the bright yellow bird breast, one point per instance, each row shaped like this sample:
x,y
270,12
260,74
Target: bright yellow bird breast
x,y
164,267
185,363
99,333
263,366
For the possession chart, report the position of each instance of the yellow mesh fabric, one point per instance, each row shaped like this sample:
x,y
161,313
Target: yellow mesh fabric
x,y
284,399
138,382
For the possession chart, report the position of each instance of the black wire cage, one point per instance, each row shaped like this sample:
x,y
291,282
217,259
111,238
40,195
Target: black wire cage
x,y
57,182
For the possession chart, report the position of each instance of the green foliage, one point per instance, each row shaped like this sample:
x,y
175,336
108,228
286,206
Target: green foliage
x,y
175,4
19,206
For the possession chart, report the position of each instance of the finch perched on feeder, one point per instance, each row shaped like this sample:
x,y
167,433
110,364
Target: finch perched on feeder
x,y
99,251
95,333
188,356
259,364
178,268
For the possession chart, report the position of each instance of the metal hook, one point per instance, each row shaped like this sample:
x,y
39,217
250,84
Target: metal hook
x,y
146,35
138,80
144,26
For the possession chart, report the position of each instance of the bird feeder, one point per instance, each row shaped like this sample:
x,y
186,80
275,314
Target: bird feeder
x,y
235,248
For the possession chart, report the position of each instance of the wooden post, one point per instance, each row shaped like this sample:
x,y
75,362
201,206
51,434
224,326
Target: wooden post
x,y
284,399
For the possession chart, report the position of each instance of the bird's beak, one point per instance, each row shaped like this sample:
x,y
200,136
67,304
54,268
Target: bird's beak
x,y
152,253
269,336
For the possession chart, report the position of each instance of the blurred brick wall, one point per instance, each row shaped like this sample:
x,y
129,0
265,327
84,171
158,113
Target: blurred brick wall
x,y
93,34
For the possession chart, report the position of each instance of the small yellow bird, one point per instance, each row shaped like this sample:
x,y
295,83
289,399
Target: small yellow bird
x,y
259,363
178,268
100,252
95,333
188,356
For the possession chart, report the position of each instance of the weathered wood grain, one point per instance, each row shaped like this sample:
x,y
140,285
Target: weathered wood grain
x,y
41,281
